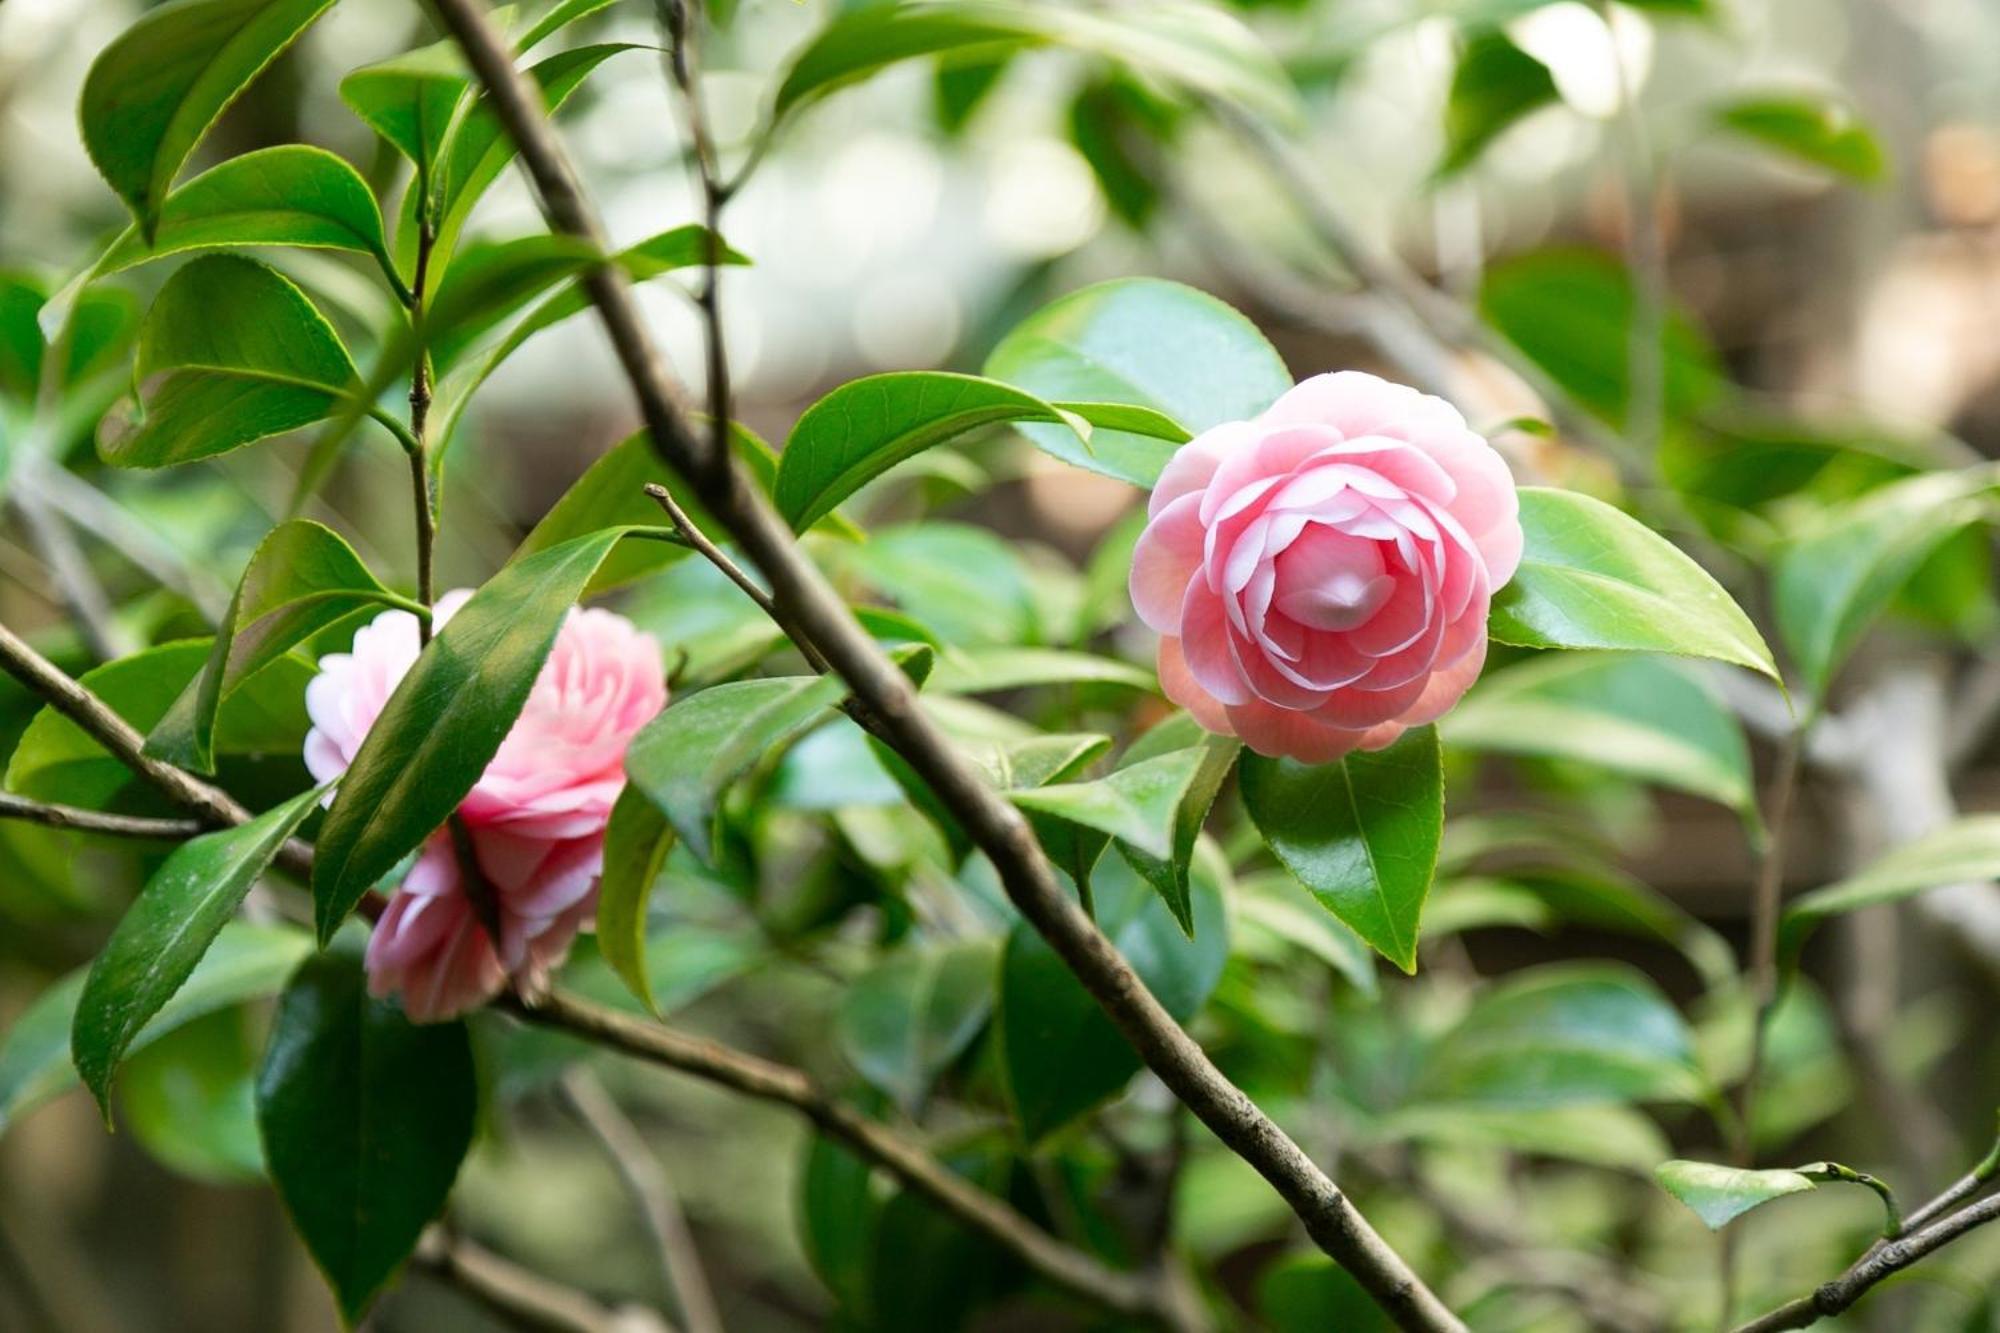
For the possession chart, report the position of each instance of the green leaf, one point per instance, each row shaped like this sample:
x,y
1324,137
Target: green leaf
x,y
410,101
1169,874
165,932
965,583
1279,907
302,579
1310,1293
21,343
1818,131
1192,45
446,721
1059,1054
867,426
1640,716
1361,833
1540,897
1136,805
1562,1035
1608,1135
636,842
1147,342
189,1098
559,16
154,92
365,1118
1834,580
1496,85
1592,577
210,384
1721,1194
1571,310
1967,850
288,195
993,670
244,962
905,1020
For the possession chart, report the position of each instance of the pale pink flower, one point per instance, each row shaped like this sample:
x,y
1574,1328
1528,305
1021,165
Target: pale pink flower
x,y
1321,574
536,816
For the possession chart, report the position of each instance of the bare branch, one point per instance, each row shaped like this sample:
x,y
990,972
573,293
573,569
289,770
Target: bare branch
x,y
523,1297
96,821
810,612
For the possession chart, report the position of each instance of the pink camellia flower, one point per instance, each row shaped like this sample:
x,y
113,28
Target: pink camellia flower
x,y
1321,574
535,818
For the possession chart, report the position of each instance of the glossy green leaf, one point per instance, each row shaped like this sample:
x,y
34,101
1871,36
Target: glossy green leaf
x,y
1496,85
410,100
302,579
209,385
1169,874
154,92
1147,342
1834,580
967,584
1967,850
1818,131
292,194
1721,1194
1137,804
1059,1054
993,670
906,1019
1201,48
636,842
867,426
1593,577
365,1118
559,16
189,1100
1278,909
446,721
165,932
243,962
1571,312
1641,716
1361,833
1566,1034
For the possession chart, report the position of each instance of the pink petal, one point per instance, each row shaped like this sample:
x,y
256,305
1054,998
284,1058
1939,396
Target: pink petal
x,y
1284,733
1180,686
1204,639
1165,562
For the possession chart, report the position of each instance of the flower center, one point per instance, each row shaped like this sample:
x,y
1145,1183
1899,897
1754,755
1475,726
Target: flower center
x,y
1329,580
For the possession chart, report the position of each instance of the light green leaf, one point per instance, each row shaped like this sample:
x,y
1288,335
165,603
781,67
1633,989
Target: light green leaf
x,y
1169,874
1641,716
1610,1135
1147,342
992,670
1362,833
1496,85
209,384
869,425
154,92
1819,131
970,587
165,932
1834,580
302,579
1967,850
410,100
636,842
906,1019
559,16
243,962
1721,1194
446,721
1136,805
1592,577
365,1118
189,1100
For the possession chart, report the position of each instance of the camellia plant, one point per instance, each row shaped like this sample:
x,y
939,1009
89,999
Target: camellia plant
x,y
1094,871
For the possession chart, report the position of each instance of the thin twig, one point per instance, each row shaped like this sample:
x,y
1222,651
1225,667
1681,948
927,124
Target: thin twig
x,y
423,491
523,1297
96,821
75,581
680,19
704,545
646,1180
810,611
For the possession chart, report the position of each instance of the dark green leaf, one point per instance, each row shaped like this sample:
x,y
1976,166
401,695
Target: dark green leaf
x,y
1721,1194
165,932
1592,577
212,384
1313,1294
365,1118
839,1217
905,1020
1146,342
154,92
1815,130
867,426
1832,582
1361,833
302,579
1641,716
636,842
1495,85
1059,1053
244,962
446,721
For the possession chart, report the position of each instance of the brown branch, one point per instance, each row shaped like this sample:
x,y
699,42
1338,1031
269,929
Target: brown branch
x,y
522,1297
753,1076
810,611
96,821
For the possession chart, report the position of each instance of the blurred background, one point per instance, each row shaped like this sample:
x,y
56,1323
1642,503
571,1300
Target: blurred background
x,y
1824,179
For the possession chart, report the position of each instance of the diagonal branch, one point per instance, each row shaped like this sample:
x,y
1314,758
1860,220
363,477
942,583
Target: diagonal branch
x,y
95,821
809,611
